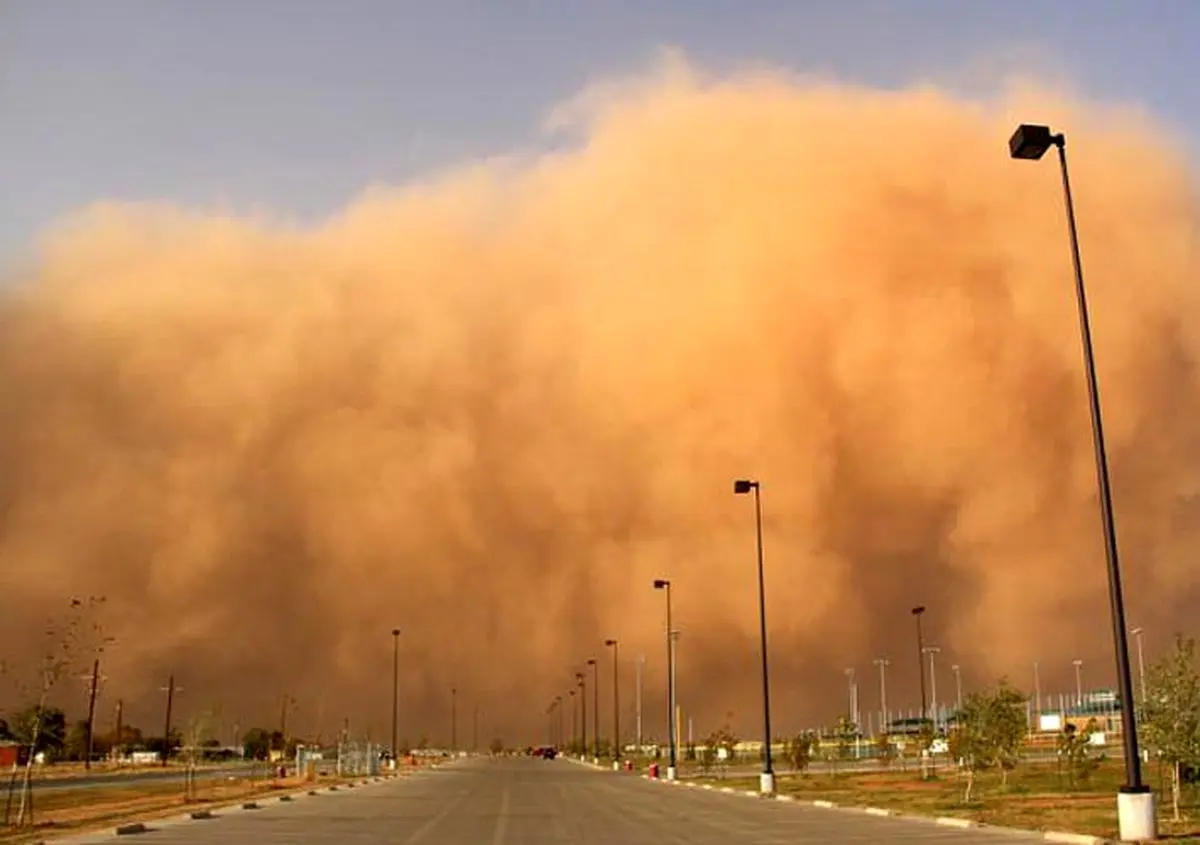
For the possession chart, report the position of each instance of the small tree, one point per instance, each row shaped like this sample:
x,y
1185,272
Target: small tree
x,y
1006,727
969,741
65,639
1075,752
885,750
1170,713
723,743
799,750
256,744
847,733
497,746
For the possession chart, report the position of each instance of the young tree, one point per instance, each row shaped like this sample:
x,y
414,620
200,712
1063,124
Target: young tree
x,y
1007,727
65,641
799,750
885,750
846,733
1170,714
988,733
256,744
1075,751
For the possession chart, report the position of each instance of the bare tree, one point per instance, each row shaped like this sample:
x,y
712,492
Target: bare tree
x,y
66,640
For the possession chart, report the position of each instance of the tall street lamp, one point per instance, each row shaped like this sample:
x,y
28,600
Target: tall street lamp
x,y
574,717
1135,802
395,689
767,780
917,613
581,682
1137,634
665,585
957,670
595,709
615,646
933,650
1078,664
883,663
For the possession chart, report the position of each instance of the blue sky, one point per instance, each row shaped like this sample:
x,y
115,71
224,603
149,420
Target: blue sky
x,y
296,105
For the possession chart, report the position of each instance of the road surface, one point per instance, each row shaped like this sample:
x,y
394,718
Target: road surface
x,y
524,801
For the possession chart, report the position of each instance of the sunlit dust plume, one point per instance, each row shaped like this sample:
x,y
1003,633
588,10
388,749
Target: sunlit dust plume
x,y
490,408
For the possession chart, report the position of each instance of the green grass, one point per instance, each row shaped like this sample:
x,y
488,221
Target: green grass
x,y
1037,797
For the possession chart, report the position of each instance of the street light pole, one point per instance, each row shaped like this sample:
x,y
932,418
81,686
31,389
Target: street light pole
x,y
574,717
933,702
454,720
1136,815
665,585
615,646
957,670
581,681
595,709
1137,633
918,612
1078,664
883,663
767,779
395,690
641,661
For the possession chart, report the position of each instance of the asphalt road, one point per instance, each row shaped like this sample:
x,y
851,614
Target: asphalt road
x,y
528,801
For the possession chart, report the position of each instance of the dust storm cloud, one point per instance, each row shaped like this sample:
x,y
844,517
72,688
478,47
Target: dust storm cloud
x,y
491,407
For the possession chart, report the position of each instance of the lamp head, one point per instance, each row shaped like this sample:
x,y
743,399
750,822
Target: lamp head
x,y
744,485
918,610
395,632
661,583
610,642
1031,141
591,662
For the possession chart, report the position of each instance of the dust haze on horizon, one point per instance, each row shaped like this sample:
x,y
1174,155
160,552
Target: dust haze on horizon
x,y
490,407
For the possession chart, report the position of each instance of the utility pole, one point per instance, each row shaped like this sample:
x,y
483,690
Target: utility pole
x,y
170,689
475,728
87,753
641,661
120,728
454,719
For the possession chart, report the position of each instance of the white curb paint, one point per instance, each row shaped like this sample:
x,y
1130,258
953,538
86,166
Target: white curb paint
x,y
877,811
947,821
1073,838
825,804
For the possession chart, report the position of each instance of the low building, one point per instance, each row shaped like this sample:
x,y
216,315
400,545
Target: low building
x,y
11,754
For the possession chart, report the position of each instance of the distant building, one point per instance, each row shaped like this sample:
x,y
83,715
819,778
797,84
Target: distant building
x,y
11,754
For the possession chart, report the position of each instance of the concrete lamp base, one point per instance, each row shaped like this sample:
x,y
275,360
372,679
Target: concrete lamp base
x,y
671,773
766,783
1137,820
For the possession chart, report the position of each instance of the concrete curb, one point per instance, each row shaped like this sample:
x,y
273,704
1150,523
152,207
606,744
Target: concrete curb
x,y
1073,838
1062,837
128,829
950,821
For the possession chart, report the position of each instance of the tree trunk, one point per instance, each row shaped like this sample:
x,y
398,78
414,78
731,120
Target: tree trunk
x,y
1003,777
970,784
1176,788
27,780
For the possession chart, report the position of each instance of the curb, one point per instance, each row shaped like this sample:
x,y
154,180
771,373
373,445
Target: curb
x,y
1073,838
135,827
1062,837
950,821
